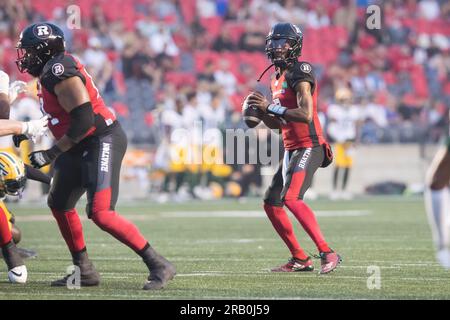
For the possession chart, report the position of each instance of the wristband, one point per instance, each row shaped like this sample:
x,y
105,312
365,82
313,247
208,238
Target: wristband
x,y
276,110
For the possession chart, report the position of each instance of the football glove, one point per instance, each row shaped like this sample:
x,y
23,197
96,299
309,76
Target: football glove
x,y
15,89
35,128
41,158
18,138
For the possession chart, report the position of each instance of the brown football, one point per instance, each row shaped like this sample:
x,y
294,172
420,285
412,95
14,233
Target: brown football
x,y
252,115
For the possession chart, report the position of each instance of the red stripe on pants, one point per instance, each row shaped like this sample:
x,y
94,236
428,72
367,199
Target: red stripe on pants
x,y
295,186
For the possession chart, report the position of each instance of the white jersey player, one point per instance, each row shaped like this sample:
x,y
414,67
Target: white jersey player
x,y
437,201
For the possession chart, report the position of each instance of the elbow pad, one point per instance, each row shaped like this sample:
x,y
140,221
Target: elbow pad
x,y
82,121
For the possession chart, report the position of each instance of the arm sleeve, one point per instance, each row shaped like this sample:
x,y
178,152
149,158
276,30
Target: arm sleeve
x,y
59,69
82,122
36,174
301,72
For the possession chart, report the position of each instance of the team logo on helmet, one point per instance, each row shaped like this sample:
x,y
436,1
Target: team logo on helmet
x,y
305,67
42,31
57,69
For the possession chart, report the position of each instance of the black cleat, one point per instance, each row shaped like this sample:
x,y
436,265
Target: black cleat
x,y
89,277
161,270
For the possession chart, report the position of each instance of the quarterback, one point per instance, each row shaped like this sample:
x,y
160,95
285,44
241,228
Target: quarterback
x,y
294,111
87,155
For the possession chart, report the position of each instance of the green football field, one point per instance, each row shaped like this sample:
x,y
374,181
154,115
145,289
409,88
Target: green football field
x,y
224,249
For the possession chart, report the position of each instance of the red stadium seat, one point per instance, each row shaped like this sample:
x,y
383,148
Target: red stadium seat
x,y
213,26
180,78
390,77
419,81
235,30
203,57
188,9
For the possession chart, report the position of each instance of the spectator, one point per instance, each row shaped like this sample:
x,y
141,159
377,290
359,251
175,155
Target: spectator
x,y
252,40
97,63
223,42
225,78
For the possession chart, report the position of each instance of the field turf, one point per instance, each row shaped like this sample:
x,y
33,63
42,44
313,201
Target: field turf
x,y
224,249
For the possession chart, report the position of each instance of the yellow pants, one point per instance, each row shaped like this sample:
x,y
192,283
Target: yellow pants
x,y
343,159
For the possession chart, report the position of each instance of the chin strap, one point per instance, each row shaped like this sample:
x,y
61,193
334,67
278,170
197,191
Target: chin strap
x,y
264,72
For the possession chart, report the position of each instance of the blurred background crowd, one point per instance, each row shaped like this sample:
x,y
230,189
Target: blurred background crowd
x,y
167,64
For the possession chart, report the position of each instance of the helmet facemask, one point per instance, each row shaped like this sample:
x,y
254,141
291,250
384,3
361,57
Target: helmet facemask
x,y
32,59
12,187
282,51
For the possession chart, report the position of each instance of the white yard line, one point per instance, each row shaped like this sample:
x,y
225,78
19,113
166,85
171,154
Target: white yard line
x,y
315,275
203,214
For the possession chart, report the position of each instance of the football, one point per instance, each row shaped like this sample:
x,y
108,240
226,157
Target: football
x,y
252,115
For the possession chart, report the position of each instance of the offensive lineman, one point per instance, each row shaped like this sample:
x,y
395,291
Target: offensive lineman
x,y
294,110
87,155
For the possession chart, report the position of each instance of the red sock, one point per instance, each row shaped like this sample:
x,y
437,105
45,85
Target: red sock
x,y
71,229
308,220
5,231
283,226
120,228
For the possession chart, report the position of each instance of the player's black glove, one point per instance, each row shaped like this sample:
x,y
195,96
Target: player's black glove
x,y
18,138
41,158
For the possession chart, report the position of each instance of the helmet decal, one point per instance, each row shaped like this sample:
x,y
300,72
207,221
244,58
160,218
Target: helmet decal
x,y
42,31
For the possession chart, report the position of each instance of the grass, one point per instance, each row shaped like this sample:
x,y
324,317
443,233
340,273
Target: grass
x,y
221,257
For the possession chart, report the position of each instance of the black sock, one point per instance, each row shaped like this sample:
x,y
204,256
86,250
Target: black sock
x,y
335,178
11,256
345,179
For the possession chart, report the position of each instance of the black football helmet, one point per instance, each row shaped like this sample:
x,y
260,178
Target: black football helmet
x,y
38,43
280,35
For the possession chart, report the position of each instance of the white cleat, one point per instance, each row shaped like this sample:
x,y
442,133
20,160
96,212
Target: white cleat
x,y
347,195
18,274
335,195
443,257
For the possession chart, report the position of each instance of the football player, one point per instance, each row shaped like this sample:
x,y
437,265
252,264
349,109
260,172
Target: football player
x,y
294,110
12,180
87,155
343,127
437,201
